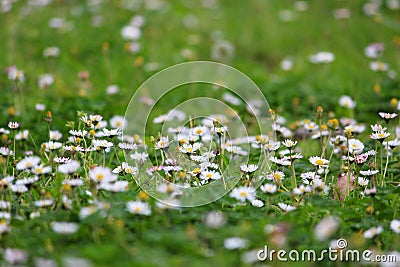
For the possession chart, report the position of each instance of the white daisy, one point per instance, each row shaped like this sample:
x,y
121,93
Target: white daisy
x,y
64,228
372,232
138,207
347,102
395,226
233,243
369,172
355,146
248,168
162,143
118,122
286,207
28,163
243,193
210,175
100,174
319,162
69,167
268,188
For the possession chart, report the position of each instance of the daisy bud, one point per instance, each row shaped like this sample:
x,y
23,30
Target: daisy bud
x,y
333,124
105,47
394,102
273,115
49,116
320,111
11,111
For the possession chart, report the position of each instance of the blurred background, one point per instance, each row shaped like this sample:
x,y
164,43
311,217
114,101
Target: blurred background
x,y
72,53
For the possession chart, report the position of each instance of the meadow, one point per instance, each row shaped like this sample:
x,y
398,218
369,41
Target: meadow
x,y
81,185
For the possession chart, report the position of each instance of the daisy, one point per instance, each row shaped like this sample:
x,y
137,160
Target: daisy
x,y
139,156
393,143
276,176
101,174
257,203
73,149
369,172
125,167
52,51
395,226
283,162
286,207
118,186
376,128
16,75
101,144
302,190
51,145
28,163
222,50
372,232
73,182
46,80
112,89
4,204
236,150
61,160
111,133
55,135
214,219
243,193
268,188
286,64
15,256
20,188
272,146
248,168
378,66
355,146
41,169
374,50
320,186
326,227
13,125
220,130
347,102
370,191
319,162
69,167
380,136
210,175
162,143
5,151
138,207
190,149
387,116
127,146
362,181
23,135
118,122
233,243
199,130
43,203
289,143
64,228
311,126
4,228
322,57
